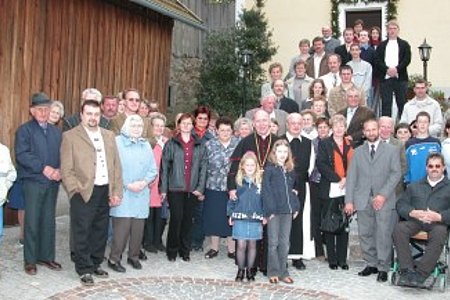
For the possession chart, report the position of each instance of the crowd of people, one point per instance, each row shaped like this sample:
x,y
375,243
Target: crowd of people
x,y
316,146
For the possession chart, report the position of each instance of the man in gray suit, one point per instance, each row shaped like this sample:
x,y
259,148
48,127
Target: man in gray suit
x,y
370,190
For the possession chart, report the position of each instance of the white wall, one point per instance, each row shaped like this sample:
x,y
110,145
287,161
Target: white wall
x,y
292,20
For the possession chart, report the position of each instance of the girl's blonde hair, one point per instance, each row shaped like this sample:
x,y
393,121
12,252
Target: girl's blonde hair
x,y
289,164
257,178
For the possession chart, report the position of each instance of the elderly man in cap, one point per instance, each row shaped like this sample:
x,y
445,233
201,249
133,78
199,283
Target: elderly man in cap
x,y
38,161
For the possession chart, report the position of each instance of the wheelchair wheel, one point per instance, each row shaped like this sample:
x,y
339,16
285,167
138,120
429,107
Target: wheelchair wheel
x,y
442,283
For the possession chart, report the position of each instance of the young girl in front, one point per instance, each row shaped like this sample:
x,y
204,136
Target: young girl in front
x,y
246,215
281,205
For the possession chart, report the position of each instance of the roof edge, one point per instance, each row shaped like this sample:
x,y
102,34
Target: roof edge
x,y
194,22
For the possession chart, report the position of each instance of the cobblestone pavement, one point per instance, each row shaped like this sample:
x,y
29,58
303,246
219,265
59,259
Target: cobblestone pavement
x,y
198,279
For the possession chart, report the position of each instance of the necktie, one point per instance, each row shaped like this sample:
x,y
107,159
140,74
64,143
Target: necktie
x,y
372,151
335,80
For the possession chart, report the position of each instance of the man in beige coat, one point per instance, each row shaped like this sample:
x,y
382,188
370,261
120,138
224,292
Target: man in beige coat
x,y
92,175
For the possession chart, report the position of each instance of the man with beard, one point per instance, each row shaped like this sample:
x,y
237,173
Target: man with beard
x,y
301,243
91,174
370,190
260,142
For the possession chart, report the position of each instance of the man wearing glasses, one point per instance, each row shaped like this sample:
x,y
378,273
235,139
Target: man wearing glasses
x,y
425,206
131,105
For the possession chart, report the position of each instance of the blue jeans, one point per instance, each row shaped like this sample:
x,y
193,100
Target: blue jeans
x,y
278,234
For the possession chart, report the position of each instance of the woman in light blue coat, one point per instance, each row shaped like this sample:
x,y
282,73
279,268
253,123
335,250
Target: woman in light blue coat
x,y
138,171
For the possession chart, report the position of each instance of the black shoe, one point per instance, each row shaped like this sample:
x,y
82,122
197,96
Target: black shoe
x,y
254,271
382,276
87,280
344,267
100,273
171,258
240,275
250,275
151,249
116,266
197,248
161,248
134,263
142,255
186,257
211,253
298,264
368,271
231,255
333,266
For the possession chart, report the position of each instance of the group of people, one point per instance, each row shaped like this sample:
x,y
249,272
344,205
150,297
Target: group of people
x,y
264,182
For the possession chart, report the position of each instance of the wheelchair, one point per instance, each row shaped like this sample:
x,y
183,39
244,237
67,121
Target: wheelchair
x,y
440,274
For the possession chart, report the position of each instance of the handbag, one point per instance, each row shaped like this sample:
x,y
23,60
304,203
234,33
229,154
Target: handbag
x,y
334,221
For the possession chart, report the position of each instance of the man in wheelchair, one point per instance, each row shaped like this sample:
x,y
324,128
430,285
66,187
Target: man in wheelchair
x,y
424,206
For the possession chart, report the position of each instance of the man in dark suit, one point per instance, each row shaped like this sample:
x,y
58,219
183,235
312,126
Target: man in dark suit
x,y
373,174
392,59
283,102
344,50
356,116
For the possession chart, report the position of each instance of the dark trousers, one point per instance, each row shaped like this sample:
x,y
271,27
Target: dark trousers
x,y
389,86
89,227
180,223
316,215
153,228
39,228
198,236
337,244
262,252
125,230
437,235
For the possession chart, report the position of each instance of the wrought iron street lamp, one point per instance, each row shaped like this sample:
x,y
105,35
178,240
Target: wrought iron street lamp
x,y
425,53
246,60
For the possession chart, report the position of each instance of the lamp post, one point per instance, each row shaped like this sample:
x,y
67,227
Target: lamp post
x,y
425,52
246,60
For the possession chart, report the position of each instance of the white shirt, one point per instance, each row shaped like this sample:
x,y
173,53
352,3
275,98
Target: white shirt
x,y
434,183
317,60
350,113
101,167
391,55
376,144
331,80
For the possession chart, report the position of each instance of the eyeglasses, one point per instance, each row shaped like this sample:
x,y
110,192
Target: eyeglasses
x,y
186,123
134,99
202,118
430,166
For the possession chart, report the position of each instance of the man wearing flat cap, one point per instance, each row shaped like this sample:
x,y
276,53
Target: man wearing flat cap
x,y
38,161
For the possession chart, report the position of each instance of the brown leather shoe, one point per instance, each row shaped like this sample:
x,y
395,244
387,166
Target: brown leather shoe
x,y
52,265
30,269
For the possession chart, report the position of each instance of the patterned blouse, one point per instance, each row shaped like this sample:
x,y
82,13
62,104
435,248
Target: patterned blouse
x,y
218,163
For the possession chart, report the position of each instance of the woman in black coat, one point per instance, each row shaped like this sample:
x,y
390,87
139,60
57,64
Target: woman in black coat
x,y
333,159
